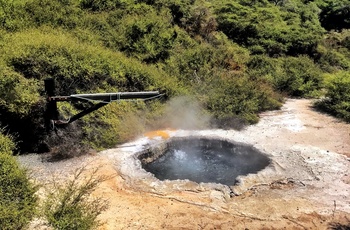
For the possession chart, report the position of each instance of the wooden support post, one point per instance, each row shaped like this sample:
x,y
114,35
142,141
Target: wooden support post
x,y
51,112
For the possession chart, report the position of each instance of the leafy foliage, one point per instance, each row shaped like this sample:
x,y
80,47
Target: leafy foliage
x,y
217,76
17,193
17,93
291,28
60,13
10,15
145,33
337,99
6,143
241,98
295,76
333,53
101,5
335,14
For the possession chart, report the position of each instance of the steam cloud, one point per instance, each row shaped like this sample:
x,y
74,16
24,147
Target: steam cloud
x,y
185,113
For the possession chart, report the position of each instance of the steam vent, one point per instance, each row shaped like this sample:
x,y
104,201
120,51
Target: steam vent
x,y
205,160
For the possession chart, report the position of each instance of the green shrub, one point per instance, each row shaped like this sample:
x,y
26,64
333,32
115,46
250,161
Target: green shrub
x,y
102,5
12,16
333,52
17,194
6,143
144,33
238,97
298,77
337,99
17,94
195,61
331,60
292,28
70,207
59,13
293,76
334,15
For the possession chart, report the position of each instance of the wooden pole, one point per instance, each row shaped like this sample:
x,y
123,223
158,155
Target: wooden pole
x,y
51,112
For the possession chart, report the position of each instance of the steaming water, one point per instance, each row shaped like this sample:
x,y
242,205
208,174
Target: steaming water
x,y
204,160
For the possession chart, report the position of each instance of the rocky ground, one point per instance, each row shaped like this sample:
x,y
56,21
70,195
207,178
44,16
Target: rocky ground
x,y
307,185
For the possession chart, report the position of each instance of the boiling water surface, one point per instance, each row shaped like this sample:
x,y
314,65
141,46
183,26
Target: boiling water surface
x,y
205,160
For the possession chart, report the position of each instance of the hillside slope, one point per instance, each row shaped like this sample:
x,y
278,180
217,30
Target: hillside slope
x,y
234,58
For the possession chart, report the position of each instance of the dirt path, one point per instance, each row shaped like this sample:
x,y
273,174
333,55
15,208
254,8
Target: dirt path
x,y
313,128
267,206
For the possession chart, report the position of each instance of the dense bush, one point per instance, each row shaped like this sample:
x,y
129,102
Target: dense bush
x,y
298,77
6,143
17,193
288,28
196,62
333,53
59,13
102,5
239,97
12,17
17,94
294,76
337,99
145,33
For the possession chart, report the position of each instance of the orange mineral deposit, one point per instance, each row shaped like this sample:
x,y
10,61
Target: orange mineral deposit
x,y
164,134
